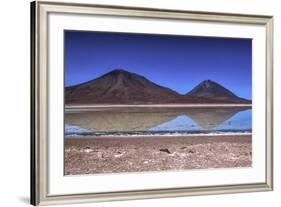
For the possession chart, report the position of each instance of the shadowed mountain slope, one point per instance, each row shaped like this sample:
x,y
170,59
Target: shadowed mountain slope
x,y
120,87
123,87
211,89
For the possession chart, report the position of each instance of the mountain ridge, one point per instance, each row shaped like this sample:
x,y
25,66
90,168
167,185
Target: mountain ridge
x,y
122,87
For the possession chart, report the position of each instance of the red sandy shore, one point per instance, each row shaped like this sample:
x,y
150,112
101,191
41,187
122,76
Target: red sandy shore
x,y
89,155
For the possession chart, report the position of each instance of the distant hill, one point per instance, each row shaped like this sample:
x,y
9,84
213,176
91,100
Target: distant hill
x,y
212,90
123,87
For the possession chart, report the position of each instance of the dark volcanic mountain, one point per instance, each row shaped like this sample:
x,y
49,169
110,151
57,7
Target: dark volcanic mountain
x,y
122,87
212,90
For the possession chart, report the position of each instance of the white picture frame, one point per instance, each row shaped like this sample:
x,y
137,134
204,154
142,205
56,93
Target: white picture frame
x,y
49,20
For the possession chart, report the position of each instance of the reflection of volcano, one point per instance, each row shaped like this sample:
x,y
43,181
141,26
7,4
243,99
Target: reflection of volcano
x,y
142,119
120,119
209,118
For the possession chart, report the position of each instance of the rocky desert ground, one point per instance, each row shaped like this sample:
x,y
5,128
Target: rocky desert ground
x,y
91,155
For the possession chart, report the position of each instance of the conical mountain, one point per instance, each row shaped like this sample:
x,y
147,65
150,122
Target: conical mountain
x,y
119,87
214,92
211,89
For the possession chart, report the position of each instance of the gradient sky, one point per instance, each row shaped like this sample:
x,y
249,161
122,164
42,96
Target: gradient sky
x,y
177,62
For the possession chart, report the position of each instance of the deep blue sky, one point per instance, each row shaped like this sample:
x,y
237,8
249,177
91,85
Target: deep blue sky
x,y
177,62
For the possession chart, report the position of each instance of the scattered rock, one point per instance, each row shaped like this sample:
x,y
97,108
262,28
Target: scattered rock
x,y
119,154
87,149
165,150
100,155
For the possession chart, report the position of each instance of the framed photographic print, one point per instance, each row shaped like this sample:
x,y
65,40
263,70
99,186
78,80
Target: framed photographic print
x,y
133,103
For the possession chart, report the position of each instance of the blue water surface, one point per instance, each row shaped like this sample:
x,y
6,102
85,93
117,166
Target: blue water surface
x,y
206,121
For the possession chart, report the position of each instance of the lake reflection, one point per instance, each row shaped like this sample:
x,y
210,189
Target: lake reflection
x,y
144,120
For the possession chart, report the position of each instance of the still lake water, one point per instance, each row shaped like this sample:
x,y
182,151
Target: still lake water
x,y
157,120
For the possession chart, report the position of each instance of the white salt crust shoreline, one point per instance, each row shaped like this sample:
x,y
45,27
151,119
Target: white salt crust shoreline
x,y
159,135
